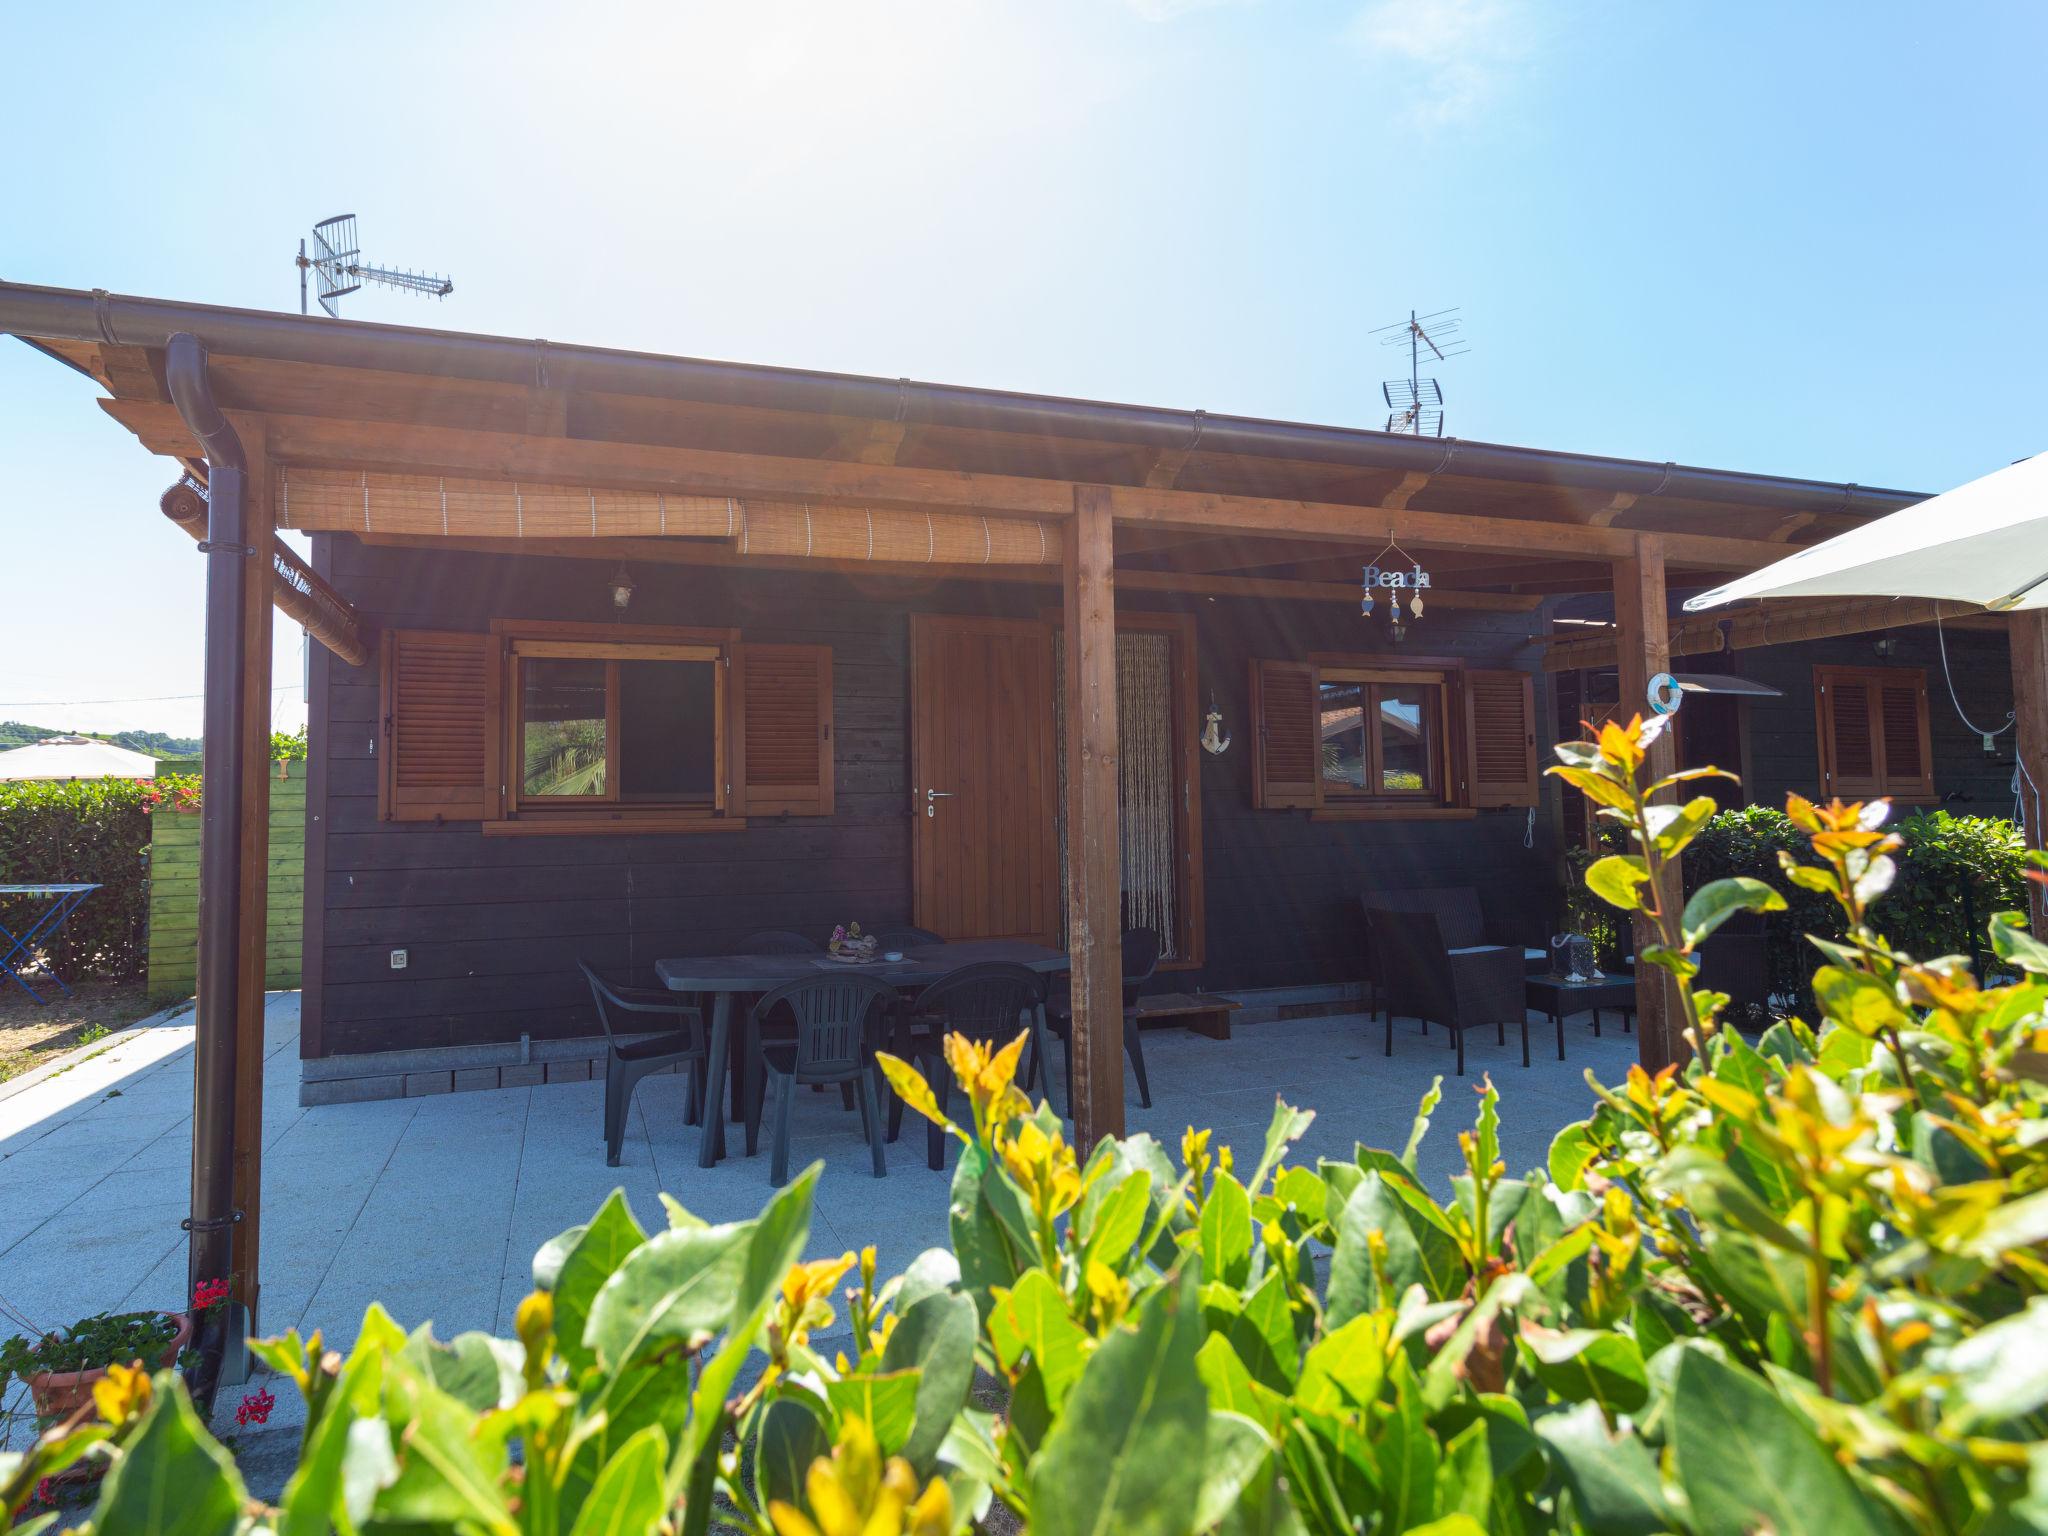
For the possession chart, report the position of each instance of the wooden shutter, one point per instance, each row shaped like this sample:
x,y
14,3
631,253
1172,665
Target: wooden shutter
x,y
1500,739
1872,724
782,730
1902,730
1844,707
1287,759
440,691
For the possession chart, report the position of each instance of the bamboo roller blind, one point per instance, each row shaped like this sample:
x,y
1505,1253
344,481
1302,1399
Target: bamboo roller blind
x,y
356,502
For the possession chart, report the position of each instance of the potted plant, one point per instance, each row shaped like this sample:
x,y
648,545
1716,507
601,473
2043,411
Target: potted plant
x,y
62,1367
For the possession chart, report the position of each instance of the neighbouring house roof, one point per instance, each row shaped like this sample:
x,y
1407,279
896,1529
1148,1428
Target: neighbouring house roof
x,y
75,757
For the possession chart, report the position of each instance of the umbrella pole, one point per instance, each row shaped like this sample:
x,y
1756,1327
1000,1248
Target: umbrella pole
x,y
2027,635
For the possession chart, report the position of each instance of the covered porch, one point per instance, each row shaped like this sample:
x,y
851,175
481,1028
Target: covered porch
x,y
905,601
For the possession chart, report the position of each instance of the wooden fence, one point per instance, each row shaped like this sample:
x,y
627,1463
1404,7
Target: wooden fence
x,y
174,888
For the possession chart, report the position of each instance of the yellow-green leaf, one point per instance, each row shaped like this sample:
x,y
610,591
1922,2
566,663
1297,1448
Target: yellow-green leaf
x,y
1614,880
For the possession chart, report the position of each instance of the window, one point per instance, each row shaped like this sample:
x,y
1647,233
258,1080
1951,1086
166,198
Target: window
x,y
1873,732
1352,736
1381,735
638,727
545,727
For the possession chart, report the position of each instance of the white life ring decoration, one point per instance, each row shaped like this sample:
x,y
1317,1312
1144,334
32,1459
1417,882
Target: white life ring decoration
x,y
1664,694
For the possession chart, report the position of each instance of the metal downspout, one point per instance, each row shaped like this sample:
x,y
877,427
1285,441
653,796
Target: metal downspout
x,y
226,546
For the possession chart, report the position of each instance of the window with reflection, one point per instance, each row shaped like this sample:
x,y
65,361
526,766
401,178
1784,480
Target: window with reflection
x,y
609,725
564,727
1382,735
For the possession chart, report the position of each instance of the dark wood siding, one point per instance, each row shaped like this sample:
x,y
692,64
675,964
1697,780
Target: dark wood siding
x,y
1780,734
1283,888
493,925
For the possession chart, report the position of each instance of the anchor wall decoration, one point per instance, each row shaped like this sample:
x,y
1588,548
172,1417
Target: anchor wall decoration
x,y
1215,740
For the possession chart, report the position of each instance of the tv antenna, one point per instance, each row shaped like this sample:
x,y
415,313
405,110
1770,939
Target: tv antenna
x,y
1415,405
337,263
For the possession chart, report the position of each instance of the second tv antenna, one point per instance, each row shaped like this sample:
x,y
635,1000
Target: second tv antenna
x,y
1415,405
338,267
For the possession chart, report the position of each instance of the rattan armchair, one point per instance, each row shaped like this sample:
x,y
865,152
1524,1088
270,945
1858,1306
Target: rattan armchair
x,y
1423,975
1736,960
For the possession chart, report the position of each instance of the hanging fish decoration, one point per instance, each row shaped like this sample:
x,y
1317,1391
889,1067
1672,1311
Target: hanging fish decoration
x,y
1414,581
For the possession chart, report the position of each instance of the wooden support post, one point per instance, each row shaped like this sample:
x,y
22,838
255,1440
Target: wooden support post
x,y
254,876
2027,635
1642,650
1094,865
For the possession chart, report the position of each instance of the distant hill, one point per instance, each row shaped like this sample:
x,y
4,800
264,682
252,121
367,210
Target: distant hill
x,y
156,743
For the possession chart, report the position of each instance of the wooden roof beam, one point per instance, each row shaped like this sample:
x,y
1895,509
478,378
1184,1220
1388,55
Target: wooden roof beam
x,y
1436,530
1166,466
296,589
314,441
1771,623
719,554
1603,517
876,442
1398,498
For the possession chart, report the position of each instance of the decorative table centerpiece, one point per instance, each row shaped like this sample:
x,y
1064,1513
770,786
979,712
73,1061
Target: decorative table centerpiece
x,y
1572,958
852,946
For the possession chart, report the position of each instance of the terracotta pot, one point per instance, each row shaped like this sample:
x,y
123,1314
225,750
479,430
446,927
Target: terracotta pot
x,y
59,1394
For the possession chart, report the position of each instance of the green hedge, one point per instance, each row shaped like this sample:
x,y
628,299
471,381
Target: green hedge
x,y
1953,873
65,832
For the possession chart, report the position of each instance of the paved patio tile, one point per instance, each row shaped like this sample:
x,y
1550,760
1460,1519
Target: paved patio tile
x,y
435,1206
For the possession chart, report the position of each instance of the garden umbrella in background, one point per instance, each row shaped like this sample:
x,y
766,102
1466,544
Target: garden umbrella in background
x,y
1984,543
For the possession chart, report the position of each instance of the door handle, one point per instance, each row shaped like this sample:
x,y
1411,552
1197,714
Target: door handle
x,y
931,799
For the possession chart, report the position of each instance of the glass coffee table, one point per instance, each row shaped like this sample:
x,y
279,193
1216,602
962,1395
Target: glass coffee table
x,y
1560,995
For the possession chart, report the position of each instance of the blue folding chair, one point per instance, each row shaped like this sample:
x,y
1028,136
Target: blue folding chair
x,y
64,900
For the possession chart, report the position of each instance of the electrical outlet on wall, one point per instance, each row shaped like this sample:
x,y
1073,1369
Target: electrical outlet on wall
x,y
398,958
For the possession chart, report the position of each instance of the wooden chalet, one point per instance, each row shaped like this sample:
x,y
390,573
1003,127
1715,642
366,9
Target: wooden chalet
x,y
623,655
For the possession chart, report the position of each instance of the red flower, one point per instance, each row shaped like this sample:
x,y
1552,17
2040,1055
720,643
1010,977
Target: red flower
x,y
255,1408
46,1492
208,1293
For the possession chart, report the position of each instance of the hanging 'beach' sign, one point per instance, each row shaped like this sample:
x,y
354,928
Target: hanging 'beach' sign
x,y
1378,578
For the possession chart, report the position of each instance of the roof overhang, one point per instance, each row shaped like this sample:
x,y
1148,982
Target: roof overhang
x,y
1194,494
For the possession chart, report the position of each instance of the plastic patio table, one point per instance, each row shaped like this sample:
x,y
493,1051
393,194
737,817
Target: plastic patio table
x,y
63,901
727,977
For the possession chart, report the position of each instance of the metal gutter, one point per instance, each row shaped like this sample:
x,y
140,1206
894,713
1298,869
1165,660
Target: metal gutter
x,y
71,314
215,1041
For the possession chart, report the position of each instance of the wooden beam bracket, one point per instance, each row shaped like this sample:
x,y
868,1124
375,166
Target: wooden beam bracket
x,y
296,589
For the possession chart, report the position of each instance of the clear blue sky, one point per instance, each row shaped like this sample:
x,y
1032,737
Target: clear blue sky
x,y
1802,239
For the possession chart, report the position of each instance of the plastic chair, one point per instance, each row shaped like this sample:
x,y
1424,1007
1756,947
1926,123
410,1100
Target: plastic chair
x,y
987,1002
626,1062
834,1043
1141,962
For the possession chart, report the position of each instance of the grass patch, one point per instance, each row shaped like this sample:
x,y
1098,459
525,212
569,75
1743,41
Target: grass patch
x,y
32,1033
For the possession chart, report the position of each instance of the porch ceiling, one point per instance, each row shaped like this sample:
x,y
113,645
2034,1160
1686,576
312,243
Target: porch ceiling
x,y
1194,496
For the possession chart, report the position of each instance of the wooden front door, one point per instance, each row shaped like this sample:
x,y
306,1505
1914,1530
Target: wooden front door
x,y
984,786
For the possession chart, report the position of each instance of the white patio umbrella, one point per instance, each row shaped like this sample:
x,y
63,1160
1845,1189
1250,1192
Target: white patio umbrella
x,y
1984,543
